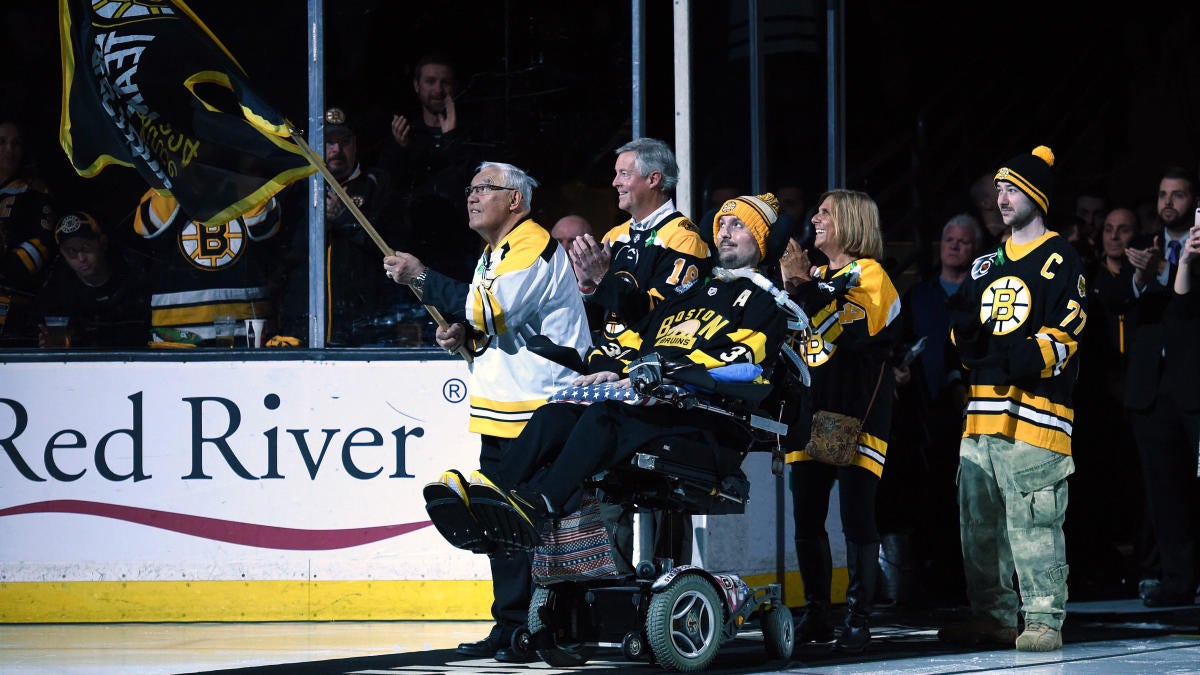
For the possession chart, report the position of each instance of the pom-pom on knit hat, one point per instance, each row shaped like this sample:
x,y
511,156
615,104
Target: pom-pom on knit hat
x,y
1031,174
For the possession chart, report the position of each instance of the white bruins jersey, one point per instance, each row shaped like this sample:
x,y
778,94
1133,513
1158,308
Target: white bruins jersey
x,y
523,287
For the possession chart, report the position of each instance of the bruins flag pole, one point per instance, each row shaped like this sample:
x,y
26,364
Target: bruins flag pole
x,y
147,85
337,188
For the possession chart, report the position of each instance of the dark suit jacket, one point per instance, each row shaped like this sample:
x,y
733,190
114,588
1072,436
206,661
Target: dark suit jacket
x,y
1171,324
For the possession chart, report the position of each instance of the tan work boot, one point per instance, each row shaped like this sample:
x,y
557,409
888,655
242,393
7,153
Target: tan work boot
x,y
982,629
1038,637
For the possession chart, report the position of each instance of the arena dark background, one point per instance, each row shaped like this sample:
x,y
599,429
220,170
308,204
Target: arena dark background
x,y
936,92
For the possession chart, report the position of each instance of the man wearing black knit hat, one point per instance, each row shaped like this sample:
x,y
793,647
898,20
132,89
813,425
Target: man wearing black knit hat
x,y
1016,322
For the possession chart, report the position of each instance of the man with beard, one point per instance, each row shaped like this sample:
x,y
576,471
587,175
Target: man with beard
x,y
1163,401
709,322
1016,321
430,155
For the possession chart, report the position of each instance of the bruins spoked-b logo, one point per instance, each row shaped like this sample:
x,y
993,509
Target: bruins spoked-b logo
x,y
1005,302
212,247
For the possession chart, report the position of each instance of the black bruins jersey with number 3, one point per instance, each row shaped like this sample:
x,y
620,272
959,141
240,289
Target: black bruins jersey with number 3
x,y
1033,297
712,323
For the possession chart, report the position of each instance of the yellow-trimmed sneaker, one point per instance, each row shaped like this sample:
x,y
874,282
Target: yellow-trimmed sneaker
x,y
506,520
449,507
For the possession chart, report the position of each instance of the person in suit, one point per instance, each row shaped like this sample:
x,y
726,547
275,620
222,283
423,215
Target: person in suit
x,y
1161,392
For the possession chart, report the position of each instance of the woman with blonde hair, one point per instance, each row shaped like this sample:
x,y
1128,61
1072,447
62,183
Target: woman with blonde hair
x,y
853,307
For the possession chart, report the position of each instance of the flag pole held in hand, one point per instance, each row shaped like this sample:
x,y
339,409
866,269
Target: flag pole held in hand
x,y
337,188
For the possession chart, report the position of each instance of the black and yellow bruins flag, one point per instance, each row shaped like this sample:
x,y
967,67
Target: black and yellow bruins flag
x,y
147,85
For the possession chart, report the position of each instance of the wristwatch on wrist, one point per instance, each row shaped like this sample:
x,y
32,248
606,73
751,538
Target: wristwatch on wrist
x,y
418,282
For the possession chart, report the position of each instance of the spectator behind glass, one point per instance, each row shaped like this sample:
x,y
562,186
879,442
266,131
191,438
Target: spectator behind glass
x,y
104,294
26,238
431,156
362,303
847,358
918,511
199,272
1091,205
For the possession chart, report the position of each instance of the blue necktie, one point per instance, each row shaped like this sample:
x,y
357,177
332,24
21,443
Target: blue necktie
x,y
1173,251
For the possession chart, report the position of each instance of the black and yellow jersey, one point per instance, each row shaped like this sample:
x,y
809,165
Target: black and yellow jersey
x,y
199,272
1032,301
709,322
26,234
846,349
647,265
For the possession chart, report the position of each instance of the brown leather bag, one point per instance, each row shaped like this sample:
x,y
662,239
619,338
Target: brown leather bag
x,y
835,436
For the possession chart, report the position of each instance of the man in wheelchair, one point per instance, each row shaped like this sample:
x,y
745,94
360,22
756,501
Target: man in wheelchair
x,y
729,319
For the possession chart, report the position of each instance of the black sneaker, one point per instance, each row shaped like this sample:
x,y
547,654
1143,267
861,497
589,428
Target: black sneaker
x,y
449,510
485,648
508,519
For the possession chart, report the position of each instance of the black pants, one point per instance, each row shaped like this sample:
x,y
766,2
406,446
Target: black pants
x,y
812,482
1167,438
512,577
565,443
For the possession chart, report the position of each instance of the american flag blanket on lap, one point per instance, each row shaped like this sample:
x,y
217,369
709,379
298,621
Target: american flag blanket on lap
x,y
609,391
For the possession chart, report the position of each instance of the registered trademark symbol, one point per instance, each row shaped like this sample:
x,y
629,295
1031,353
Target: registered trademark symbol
x,y
454,390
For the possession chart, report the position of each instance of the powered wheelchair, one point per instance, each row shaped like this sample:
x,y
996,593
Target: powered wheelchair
x,y
675,616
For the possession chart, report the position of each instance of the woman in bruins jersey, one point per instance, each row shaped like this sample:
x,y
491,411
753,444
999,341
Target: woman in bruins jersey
x,y
853,308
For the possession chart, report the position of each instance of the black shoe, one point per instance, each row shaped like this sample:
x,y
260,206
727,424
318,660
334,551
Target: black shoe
x,y
449,510
854,638
510,655
485,648
508,522
1161,596
533,506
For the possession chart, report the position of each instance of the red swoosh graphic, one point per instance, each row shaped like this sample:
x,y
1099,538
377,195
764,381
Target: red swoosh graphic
x,y
233,532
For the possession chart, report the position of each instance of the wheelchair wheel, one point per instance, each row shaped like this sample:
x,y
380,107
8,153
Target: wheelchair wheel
x,y
520,642
683,624
633,647
779,634
560,655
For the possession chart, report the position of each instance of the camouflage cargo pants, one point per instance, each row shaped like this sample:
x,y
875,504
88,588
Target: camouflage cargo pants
x,y
1012,501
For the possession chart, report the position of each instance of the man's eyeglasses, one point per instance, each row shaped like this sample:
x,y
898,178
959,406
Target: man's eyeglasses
x,y
482,188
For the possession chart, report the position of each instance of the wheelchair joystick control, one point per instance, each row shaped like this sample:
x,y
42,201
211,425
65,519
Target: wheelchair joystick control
x,y
645,373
